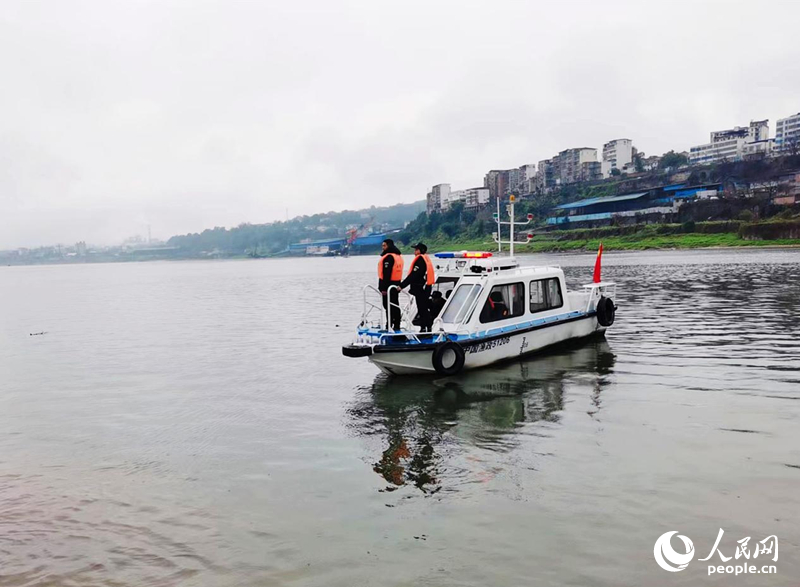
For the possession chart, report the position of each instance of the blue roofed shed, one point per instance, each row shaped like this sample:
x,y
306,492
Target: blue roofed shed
x,y
371,240
655,201
603,202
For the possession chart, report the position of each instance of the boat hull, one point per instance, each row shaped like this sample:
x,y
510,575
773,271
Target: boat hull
x,y
483,352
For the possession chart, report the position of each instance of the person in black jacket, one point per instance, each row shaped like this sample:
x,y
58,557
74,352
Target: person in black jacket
x,y
417,278
437,303
389,270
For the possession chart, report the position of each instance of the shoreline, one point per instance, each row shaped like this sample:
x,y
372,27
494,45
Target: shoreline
x,y
436,249
655,250
607,247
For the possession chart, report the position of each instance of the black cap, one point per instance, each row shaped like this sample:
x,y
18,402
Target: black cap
x,y
422,247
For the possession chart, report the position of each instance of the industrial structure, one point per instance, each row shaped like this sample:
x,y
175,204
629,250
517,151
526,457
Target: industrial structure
x,y
648,205
369,243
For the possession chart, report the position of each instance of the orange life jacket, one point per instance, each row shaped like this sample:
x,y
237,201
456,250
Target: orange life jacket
x,y
430,276
397,268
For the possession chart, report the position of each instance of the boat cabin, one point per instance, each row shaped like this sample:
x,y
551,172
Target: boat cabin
x,y
486,301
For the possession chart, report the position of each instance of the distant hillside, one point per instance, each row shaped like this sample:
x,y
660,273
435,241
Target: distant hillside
x,y
265,239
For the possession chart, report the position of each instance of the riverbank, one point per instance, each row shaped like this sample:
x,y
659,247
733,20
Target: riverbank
x,y
548,244
689,235
578,241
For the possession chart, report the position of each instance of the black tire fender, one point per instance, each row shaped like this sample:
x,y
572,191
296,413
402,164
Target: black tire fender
x,y
453,353
606,311
356,351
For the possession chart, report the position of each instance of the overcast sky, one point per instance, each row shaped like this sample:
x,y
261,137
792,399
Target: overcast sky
x,y
189,114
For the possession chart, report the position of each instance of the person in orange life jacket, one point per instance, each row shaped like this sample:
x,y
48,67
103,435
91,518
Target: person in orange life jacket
x,y
421,277
390,272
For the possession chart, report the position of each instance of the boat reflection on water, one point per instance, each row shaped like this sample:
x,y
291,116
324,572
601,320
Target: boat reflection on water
x,y
421,423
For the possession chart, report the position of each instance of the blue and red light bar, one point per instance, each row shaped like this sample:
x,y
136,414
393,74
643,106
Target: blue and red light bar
x,y
463,255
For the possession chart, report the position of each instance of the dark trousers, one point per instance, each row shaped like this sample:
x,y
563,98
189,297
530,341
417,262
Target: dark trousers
x,y
423,309
394,314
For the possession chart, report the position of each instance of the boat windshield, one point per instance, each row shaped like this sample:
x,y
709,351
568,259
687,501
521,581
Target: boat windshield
x,y
461,303
445,285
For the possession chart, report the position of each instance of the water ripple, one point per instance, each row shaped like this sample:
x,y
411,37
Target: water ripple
x,y
195,424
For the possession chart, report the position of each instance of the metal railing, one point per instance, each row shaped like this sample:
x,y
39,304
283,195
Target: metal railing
x,y
608,290
405,310
370,308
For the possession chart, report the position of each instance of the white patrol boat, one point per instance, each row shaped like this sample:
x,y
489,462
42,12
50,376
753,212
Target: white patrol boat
x,y
496,310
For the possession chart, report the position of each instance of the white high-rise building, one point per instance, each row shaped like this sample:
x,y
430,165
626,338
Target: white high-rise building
x,y
472,198
787,134
529,170
475,198
733,144
616,155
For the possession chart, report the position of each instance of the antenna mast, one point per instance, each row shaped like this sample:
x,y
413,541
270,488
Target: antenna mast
x,y
498,237
497,217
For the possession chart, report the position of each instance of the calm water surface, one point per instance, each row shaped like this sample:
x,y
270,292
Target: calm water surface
x,y
195,424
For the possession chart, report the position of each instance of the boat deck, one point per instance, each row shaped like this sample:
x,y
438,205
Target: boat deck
x,y
409,338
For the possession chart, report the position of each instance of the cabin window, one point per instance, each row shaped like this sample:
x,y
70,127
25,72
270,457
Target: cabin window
x,y
446,285
460,303
546,294
504,301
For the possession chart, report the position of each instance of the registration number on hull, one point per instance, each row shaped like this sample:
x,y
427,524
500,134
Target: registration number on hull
x,y
486,346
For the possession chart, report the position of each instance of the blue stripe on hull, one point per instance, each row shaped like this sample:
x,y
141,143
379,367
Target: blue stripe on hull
x,y
476,336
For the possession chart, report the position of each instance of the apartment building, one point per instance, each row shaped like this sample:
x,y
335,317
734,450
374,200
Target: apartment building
x,y
472,198
787,134
616,155
733,144
519,178
569,166
498,181
574,165
437,196
544,180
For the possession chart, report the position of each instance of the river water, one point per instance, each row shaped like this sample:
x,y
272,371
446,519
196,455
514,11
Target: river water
x,y
194,423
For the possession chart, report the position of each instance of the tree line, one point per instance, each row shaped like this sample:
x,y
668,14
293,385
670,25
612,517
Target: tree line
x,y
266,239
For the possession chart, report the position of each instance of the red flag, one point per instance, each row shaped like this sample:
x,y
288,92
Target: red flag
x,y
596,277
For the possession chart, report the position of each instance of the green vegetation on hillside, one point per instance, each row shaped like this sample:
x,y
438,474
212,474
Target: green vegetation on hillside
x,y
460,224
640,237
265,239
671,159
